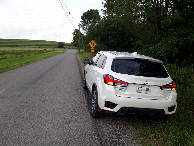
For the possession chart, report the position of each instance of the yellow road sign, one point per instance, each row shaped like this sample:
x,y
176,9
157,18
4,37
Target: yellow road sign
x,y
92,49
92,43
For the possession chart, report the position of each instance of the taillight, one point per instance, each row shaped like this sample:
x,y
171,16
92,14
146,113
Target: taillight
x,y
172,86
110,80
119,82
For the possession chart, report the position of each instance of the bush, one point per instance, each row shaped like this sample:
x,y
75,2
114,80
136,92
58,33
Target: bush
x,y
184,78
60,45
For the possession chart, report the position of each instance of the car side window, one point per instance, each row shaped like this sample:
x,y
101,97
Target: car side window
x,y
101,61
97,59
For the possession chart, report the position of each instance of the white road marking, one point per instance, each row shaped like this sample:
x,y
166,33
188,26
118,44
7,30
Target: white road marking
x,y
2,91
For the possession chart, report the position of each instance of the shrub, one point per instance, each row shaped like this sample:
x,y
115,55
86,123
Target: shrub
x,y
60,45
184,77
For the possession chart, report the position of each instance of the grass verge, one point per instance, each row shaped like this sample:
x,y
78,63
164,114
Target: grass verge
x,y
11,59
175,131
85,55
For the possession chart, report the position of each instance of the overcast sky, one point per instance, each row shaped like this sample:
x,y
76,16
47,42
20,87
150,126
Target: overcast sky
x,y
42,19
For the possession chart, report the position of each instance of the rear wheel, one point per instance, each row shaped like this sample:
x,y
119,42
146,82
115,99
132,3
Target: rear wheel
x,y
94,105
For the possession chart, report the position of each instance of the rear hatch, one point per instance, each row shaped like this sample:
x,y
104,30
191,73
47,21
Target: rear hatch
x,y
144,79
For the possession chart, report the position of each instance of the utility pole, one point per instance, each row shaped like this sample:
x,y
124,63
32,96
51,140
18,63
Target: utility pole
x,y
79,38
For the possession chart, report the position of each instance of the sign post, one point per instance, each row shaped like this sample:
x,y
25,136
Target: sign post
x,y
92,44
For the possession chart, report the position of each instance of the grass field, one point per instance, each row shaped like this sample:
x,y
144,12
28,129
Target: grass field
x,y
177,130
70,47
24,48
29,43
15,53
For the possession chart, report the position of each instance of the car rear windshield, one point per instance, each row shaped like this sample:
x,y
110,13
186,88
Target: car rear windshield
x,y
139,67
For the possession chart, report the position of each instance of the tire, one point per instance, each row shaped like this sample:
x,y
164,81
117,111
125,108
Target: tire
x,y
94,104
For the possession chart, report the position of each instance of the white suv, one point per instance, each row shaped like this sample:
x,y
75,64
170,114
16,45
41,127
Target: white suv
x,y
124,83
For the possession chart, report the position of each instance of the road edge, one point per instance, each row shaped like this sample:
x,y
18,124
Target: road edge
x,y
80,66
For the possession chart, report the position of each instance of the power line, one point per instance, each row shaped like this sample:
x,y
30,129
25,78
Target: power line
x,y
67,14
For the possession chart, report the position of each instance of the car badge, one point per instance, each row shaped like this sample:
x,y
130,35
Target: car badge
x,y
146,82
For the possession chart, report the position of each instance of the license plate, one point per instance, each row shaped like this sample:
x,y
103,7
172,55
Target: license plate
x,y
143,89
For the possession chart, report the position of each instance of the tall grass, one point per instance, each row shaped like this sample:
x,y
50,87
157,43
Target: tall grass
x,y
85,55
184,78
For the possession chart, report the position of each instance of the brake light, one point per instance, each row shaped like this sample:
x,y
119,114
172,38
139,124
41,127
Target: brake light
x,y
110,80
171,85
120,82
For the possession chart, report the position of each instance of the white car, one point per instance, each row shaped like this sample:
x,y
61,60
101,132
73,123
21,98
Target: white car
x,y
125,83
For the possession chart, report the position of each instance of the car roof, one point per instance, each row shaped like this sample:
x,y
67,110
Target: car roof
x,y
126,55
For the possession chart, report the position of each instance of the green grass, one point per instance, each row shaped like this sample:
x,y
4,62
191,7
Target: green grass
x,y
16,58
177,130
27,43
17,52
85,55
24,48
70,47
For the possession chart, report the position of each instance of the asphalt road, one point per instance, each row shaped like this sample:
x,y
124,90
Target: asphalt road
x,y
44,103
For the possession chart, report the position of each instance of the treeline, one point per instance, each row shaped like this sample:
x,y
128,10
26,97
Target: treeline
x,y
162,29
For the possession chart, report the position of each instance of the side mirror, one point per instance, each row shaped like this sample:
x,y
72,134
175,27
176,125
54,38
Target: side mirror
x,y
87,61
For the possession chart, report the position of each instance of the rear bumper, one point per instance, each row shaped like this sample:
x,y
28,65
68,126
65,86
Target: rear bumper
x,y
140,111
142,106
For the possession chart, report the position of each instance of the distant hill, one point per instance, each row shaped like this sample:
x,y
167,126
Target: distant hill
x,y
27,43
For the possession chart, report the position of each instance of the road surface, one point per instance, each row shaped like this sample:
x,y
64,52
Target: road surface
x,y
44,103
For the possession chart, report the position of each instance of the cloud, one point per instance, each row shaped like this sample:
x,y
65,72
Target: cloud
x,y
42,19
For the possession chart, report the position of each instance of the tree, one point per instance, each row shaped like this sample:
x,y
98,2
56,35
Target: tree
x,y
89,19
159,28
60,45
76,37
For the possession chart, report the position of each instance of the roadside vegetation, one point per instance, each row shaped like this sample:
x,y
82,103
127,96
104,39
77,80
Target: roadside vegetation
x,y
85,55
16,53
